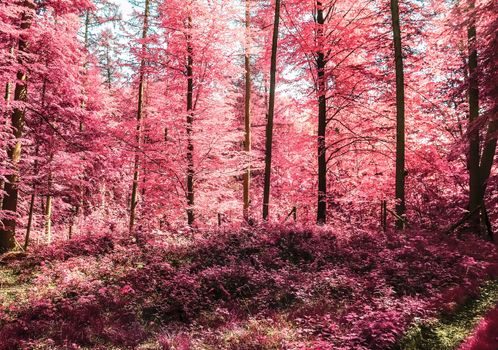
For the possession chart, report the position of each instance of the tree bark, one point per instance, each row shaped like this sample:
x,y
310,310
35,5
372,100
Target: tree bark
x,y
271,111
321,62
48,215
8,85
190,130
473,132
73,219
7,92
488,155
7,96
400,116
31,205
138,131
8,230
247,112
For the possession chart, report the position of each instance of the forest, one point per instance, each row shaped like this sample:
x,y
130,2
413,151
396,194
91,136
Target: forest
x,y
248,174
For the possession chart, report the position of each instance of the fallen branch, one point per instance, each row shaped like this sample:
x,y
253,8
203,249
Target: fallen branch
x,y
398,217
462,220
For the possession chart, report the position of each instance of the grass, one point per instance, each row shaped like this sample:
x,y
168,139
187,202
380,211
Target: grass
x,y
448,332
9,287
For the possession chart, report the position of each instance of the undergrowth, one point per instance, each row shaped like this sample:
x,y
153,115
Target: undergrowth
x,y
449,330
257,289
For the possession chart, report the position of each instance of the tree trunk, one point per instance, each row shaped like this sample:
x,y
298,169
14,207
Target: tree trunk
x,y
271,111
30,218
190,130
73,219
8,230
247,111
48,217
488,155
473,131
8,88
321,62
33,196
400,116
86,35
7,93
138,136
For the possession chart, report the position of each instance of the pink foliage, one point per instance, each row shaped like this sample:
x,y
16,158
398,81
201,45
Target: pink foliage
x,y
120,293
485,337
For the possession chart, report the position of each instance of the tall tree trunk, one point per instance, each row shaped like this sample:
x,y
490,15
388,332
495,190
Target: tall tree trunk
x,y
73,219
86,35
30,217
138,136
190,130
321,62
400,117
8,230
33,194
108,68
475,197
247,111
488,155
48,212
31,203
7,93
8,88
271,112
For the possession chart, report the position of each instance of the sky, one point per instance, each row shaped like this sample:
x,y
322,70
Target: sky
x,y
126,8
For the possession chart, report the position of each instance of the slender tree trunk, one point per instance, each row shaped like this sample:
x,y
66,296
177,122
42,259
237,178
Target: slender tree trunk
x,y
138,137
321,62
87,30
488,155
271,112
48,212
247,111
7,92
8,230
30,217
86,34
32,201
35,168
108,69
475,197
71,225
31,205
400,116
190,130
8,85
8,88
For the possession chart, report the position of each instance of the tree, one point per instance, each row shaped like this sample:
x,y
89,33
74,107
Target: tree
x,y
489,54
247,110
190,122
271,112
475,197
322,117
7,232
138,134
400,116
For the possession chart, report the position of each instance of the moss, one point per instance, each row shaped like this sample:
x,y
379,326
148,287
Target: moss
x,y
11,291
448,332
7,278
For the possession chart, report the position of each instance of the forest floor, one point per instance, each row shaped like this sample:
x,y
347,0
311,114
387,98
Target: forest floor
x,y
470,321
258,289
